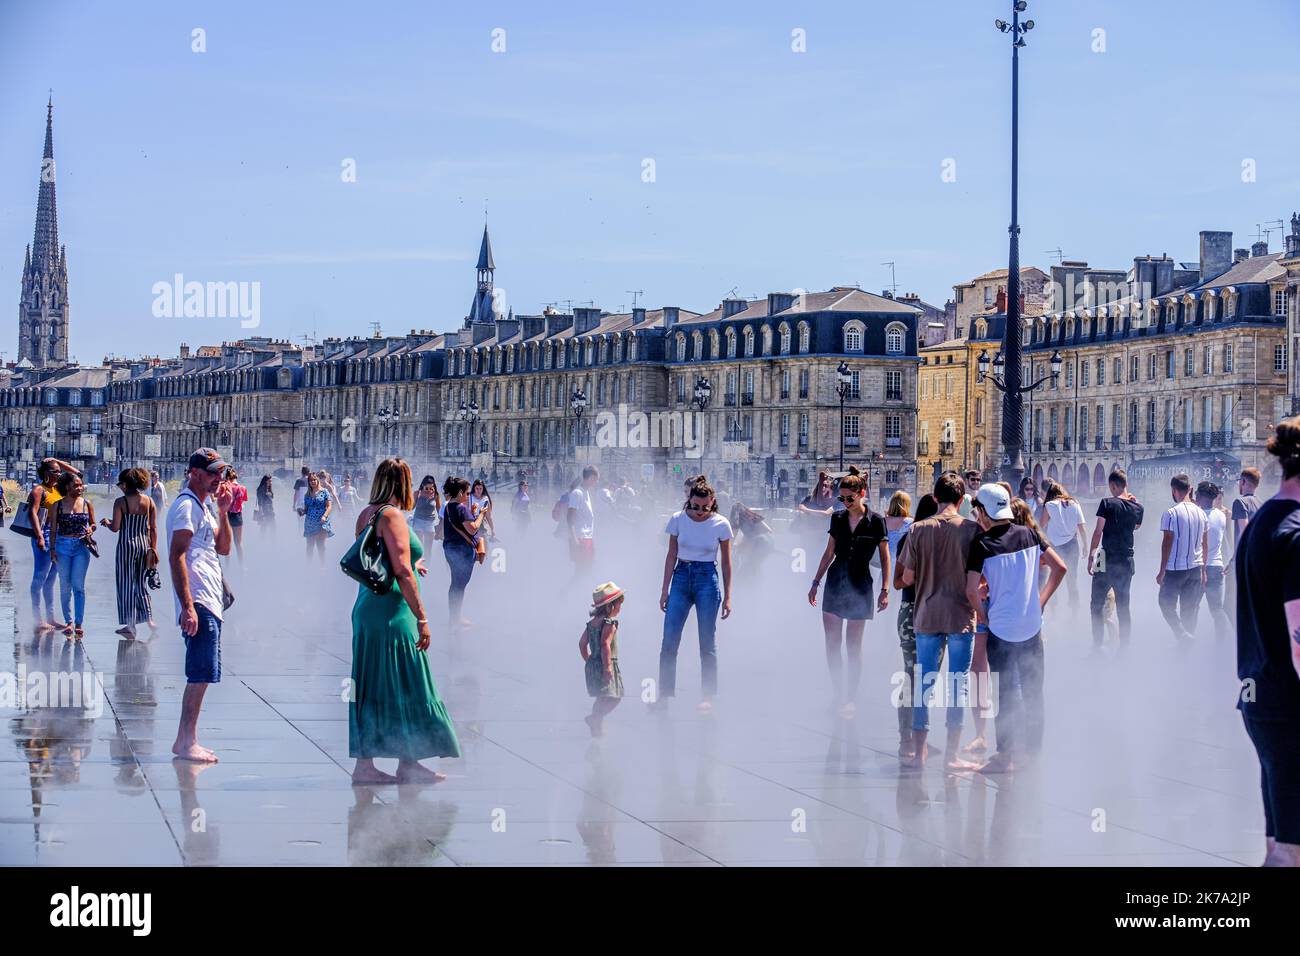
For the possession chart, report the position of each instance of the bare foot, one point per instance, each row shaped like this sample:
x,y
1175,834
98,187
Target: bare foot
x,y
372,776
597,729
194,752
976,746
848,711
705,707
956,763
418,773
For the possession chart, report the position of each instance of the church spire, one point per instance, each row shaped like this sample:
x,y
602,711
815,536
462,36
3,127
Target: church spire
x,y
481,310
43,303
45,242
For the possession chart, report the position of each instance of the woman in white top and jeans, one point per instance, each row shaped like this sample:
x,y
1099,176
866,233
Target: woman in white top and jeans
x,y
697,535
1063,523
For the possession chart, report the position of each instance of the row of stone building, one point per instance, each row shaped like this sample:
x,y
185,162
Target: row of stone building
x,y
1165,366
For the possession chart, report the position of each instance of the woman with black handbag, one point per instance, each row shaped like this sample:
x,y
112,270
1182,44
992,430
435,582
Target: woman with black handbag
x,y
135,522
395,709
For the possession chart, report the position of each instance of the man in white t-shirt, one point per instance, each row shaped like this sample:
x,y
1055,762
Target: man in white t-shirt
x,y
1182,559
197,536
1216,518
582,521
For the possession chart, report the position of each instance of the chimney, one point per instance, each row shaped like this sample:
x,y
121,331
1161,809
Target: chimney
x,y
1154,275
533,325
779,302
670,316
1240,255
185,351
506,328
1292,245
1259,248
1216,254
638,314
483,331
886,293
556,322
731,306
585,319
1000,302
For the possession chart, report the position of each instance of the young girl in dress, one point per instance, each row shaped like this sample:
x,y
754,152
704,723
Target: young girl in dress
x,y
599,648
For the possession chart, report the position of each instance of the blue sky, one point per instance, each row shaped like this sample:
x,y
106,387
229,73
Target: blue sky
x,y
773,169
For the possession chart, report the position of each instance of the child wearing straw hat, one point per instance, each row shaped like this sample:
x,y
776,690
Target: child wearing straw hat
x,y
599,648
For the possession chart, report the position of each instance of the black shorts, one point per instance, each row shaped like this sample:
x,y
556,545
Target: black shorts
x,y
236,519
1278,746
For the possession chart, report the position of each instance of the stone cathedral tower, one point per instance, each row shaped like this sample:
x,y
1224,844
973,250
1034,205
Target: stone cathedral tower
x,y
43,307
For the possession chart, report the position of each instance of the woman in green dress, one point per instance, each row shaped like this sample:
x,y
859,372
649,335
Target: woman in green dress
x,y
395,709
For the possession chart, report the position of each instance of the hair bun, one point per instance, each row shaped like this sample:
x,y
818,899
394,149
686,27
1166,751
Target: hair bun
x,y
1285,443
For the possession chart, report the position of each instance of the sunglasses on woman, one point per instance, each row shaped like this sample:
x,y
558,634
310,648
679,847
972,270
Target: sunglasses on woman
x,y
697,507
849,499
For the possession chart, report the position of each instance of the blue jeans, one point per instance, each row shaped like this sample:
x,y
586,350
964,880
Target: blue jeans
x,y
929,656
74,559
461,561
694,583
43,574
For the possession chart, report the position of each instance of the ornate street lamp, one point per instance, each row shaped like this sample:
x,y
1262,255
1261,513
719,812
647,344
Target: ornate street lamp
x,y
843,381
579,404
1013,462
388,419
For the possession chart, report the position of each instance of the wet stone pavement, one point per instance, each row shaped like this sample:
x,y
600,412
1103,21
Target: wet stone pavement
x,y
771,778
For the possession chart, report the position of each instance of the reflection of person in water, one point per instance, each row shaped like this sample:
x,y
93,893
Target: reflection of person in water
x,y
407,833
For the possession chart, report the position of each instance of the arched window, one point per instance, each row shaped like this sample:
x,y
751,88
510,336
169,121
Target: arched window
x,y
681,347
805,336
853,337
785,339
697,346
767,340
731,343
632,348
714,349
604,351
895,336
749,341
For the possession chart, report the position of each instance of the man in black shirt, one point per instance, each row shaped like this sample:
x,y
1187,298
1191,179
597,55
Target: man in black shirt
x,y
1268,648
1243,509
1117,518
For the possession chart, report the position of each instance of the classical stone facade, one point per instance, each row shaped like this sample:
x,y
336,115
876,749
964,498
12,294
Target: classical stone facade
x,y
1185,370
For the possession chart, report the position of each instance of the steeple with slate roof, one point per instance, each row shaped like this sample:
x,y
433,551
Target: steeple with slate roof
x,y
43,307
481,309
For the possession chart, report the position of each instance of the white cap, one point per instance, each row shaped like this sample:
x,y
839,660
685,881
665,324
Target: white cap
x,y
995,501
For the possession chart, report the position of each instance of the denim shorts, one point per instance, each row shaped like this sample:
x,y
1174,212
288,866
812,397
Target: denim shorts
x,y
203,650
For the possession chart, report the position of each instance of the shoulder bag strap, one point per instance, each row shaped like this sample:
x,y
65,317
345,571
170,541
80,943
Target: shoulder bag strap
x,y
468,539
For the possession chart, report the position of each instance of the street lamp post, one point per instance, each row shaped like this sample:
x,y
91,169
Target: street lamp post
x,y
1013,462
1002,379
579,404
388,419
843,380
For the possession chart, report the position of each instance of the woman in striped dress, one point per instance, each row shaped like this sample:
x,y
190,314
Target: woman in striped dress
x,y
135,521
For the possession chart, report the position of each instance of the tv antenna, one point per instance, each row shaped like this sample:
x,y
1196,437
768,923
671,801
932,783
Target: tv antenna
x,y
374,328
635,294
1060,255
893,280
731,293
1265,229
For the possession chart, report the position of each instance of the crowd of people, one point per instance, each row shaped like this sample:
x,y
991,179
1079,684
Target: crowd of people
x,y
971,572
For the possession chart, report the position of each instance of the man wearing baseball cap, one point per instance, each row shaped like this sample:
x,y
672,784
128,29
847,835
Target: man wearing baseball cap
x,y
1008,557
196,537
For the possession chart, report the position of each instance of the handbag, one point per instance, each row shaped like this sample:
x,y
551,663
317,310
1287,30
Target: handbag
x,y
227,595
367,560
22,523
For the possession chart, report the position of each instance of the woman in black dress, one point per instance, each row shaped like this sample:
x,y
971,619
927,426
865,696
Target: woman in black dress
x,y
855,534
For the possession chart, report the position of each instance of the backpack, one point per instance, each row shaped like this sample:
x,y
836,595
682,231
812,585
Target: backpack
x,y
560,508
